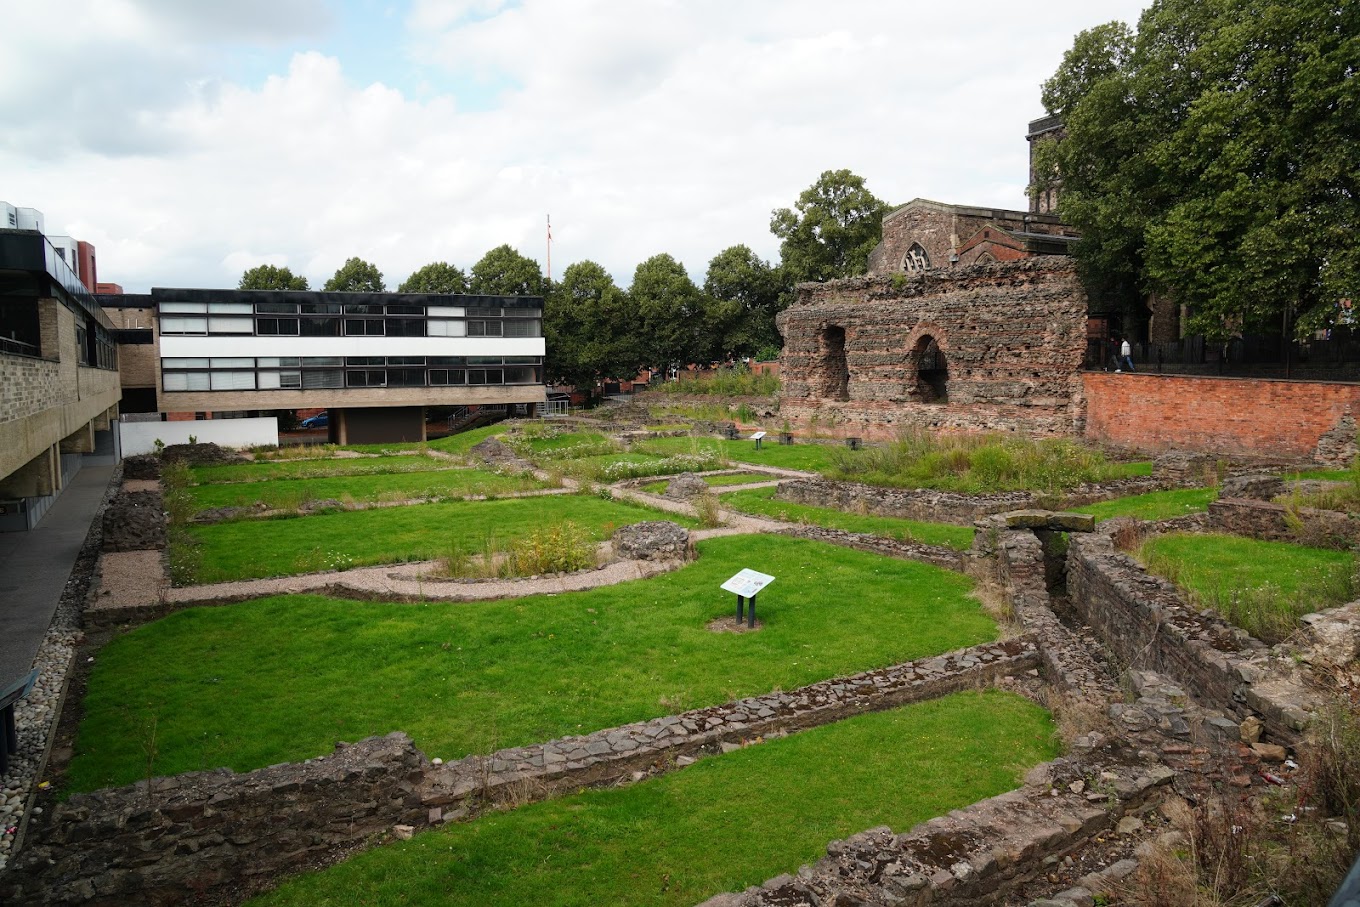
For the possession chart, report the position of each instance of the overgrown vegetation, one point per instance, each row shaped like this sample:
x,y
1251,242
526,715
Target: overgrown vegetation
x,y
761,502
1262,587
560,548
678,839
1155,505
304,671
980,464
1344,497
724,382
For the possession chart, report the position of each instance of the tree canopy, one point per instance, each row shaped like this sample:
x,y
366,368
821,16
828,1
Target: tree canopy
x,y
269,277
1211,157
587,323
831,230
505,272
670,313
435,277
356,276
749,294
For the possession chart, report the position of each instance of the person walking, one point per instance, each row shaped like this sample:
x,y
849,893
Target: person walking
x,y
1126,356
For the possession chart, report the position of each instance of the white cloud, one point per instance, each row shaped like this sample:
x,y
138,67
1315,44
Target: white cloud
x,y
643,127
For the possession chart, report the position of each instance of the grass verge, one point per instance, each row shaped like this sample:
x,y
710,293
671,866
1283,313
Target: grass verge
x,y
761,502
400,486
250,549
1262,587
281,679
1155,505
720,825
270,470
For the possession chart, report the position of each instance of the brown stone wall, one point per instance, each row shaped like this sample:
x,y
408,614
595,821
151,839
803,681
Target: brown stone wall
x,y
1012,338
942,229
1275,522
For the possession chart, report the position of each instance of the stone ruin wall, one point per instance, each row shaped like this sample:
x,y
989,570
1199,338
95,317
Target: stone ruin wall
x,y
1012,337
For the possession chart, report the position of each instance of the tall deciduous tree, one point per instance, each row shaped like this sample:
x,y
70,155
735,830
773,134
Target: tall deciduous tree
x,y
505,272
831,230
587,321
269,277
750,293
435,277
1212,157
356,276
670,313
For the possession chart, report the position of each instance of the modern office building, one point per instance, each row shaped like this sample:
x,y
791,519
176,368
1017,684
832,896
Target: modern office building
x,y
59,385
375,360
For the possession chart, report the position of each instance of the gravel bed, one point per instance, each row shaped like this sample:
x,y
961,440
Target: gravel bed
x,y
35,714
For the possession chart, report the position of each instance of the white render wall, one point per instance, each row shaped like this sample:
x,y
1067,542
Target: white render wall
x,y
224,345
140,437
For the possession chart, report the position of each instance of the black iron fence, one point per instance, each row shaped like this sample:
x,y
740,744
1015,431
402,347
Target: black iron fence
x,y
1334,358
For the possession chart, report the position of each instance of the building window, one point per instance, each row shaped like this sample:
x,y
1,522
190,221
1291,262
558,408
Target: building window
x,y
320,326
440,328
366,378
484,328
525,328
440,377
363,327
270,327
405,327
916,259
230,325
180,325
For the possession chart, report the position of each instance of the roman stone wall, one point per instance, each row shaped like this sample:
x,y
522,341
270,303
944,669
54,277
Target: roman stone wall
x,y
945,506
1275,522
1148,625
1008,341
1234,416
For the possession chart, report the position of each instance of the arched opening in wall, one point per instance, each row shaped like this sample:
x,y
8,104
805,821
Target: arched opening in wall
x,y
932,374
985,258
832,377
916,260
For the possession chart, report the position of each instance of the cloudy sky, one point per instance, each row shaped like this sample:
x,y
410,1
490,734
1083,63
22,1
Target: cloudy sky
x,y
191,139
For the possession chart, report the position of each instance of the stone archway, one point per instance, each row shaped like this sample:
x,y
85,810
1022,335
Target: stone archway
x,y
831,374
931,371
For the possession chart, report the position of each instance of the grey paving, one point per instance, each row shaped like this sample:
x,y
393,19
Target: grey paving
x,y
35,565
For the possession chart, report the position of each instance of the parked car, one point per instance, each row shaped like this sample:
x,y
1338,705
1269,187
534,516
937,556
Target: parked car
x,y
320,420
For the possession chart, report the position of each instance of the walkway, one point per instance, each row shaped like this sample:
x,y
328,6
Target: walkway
x,y
35,565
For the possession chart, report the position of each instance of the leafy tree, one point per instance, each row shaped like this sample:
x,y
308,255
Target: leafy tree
x,y
672,314
587,321
749,294
269,277
436,277
505,272
1211,157
356,276
836,224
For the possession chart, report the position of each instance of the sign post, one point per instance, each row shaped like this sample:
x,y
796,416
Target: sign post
x,y
758,437
747,584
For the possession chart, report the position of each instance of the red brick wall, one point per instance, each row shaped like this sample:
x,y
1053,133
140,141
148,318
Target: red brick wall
x,y
1242,416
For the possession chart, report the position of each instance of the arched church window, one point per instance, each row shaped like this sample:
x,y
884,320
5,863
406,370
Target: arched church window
x,y
916,259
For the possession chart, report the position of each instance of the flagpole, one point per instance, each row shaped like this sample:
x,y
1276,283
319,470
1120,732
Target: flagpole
x,y
549,248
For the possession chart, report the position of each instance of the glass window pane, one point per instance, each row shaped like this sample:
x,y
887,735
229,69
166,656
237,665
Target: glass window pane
x,y
310,361
196,381
232,381
290,379
231,308
175,381
276,308
218,325
178,325
182,308
184,363
269,381
327,378
444,311
524,328
218,362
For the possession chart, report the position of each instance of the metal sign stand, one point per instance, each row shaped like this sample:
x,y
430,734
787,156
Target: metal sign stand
x,y
746,585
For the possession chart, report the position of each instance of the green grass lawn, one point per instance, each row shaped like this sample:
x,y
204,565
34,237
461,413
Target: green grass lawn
x,y
461,443
268,470
722,824
806,457
1155,505
434,483
248,549
761,502
1262,587
281,679
569,445
741,478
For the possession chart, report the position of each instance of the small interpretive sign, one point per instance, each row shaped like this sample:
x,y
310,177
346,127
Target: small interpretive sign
x,y
747,583
757,436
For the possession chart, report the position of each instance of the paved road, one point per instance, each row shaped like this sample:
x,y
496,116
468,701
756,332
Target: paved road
x,y
35,565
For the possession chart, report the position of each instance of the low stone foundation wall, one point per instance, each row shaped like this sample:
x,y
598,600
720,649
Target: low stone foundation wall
x,y
939,555
1275,522
210,834
204,834
1145,621
946,506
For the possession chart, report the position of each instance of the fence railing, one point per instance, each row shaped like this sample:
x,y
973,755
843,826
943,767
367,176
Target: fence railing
x,y
1335,358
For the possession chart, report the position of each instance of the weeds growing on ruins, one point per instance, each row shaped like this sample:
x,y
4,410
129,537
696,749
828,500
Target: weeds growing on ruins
x,y
979,464
726,382
560,548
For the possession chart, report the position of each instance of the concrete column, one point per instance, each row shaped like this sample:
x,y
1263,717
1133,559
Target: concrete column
x,y
49,328
81,440
39,476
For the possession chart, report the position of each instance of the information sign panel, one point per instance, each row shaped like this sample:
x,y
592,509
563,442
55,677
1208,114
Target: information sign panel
x,y
757,436
747,583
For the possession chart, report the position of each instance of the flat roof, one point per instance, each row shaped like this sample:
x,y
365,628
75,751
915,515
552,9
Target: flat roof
x,y
30,251
188,294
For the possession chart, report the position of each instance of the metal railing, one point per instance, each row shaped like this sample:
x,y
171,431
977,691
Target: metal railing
x,y
1335,358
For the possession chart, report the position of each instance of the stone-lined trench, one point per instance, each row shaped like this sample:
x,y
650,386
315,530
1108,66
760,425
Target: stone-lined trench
x,y
216,835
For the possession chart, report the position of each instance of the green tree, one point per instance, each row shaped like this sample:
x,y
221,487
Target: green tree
x,y
1212,158
436,277
587,322
749,294
673,316
269,277
832,229
505,272
356,276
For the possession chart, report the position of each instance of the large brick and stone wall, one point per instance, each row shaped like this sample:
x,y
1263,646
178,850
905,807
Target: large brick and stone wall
x,y
989,347
943,230
1233,416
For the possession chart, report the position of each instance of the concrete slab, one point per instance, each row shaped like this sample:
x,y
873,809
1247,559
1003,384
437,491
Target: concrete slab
x,y
35,565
